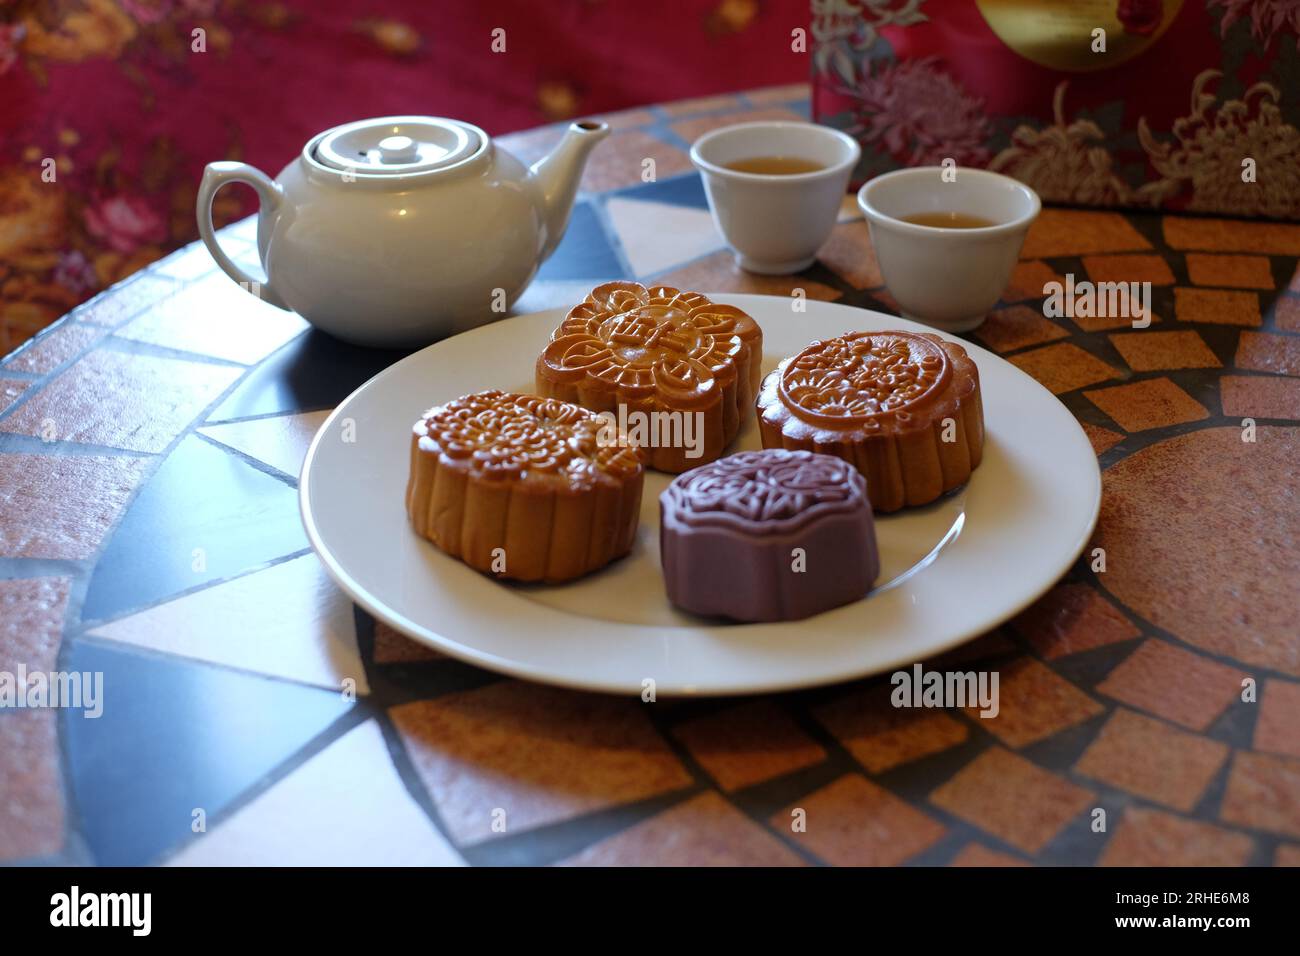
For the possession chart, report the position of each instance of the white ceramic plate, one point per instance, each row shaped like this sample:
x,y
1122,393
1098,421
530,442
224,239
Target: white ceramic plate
x,y
951,571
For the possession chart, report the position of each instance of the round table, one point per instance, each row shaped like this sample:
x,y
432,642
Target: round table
x,y
248,713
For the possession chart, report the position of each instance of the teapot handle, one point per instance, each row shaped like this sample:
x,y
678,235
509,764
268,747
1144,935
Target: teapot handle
x,y
269,195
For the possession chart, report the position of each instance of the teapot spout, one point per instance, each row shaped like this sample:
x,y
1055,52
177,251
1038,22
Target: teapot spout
x,y
557,177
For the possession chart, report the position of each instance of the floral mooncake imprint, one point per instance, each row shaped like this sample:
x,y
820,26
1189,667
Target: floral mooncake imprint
x,y
903,407
686,365
522,487
767,536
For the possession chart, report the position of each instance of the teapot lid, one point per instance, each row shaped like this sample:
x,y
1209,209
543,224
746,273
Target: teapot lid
x,y
398,145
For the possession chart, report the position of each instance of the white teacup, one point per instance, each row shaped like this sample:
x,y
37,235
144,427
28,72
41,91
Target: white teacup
x,y
947,277
775,222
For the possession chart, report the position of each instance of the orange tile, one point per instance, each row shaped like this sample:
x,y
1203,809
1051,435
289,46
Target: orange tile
x,y
1172,683
626,119
881,736
849,254
540,754
1028,280
62,507
1016,327
1077,232
703,831
620,161
1139,268
136,402
31,790
1232,272
1103,439
983,648
1154,403
1286,313
1072,618
1149,351
1263,793
741,746
394,648
1277,729
1288,854
719,273
1006,795
1063,367
1258,396
1216,306
1215,574
1153,760
692,129
779,94
31,623
1265,352
1034,704
50,350
1155,838
977,854
854,822
1232,235
700,104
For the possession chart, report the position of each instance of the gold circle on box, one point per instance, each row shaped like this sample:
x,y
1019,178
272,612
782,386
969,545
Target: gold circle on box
x,y
1058,33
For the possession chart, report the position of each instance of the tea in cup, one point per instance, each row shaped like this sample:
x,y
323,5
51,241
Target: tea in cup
x,y
947,239
775,189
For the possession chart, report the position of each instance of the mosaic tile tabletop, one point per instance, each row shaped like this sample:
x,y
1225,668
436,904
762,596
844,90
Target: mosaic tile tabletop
x,y
149,447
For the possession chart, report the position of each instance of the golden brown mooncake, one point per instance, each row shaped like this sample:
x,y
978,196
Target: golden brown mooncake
x,y
523,487
648,351
903,407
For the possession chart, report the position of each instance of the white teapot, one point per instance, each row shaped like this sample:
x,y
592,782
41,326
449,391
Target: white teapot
x,y
401,230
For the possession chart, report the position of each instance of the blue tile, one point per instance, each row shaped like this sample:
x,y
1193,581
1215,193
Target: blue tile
x,y
201,497
584,252
175,736
313,371
687,190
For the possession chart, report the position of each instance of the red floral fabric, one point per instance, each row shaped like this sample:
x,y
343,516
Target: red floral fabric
x,y
109,109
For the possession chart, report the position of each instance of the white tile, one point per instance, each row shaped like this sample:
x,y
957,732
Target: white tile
x,y
280,442
546,294
346,806
289,621
657,236
188,263
245,230
216,317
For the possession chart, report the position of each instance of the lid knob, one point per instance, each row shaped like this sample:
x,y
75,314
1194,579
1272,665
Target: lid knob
x,y
398,149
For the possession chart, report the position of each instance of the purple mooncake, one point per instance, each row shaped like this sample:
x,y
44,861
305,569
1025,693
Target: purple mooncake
x,y
770,535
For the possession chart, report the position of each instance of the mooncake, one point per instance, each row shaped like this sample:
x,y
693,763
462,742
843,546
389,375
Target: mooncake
x,y
523,487
767,536
903,407
674,366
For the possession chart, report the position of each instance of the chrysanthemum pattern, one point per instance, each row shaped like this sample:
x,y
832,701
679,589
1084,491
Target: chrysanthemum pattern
x,y
919,113
1210,145
1064,162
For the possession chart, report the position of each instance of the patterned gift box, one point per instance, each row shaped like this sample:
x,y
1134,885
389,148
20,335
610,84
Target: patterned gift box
x,y
1186,105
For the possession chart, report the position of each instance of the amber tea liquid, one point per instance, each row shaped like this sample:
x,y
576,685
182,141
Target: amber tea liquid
x,y
948,220
775,165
